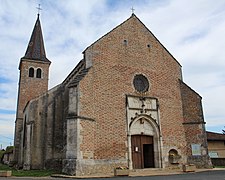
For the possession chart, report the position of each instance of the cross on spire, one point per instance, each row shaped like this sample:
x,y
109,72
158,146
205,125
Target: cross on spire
x,y
39,9
132,10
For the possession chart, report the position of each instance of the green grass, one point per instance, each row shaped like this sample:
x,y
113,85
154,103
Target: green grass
x,y
31,173
4,167
219,166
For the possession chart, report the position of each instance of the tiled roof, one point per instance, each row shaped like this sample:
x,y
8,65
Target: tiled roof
x,y
36,49
74,72
212,136
79,77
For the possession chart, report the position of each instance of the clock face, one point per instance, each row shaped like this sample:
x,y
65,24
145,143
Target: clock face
x,y
140,83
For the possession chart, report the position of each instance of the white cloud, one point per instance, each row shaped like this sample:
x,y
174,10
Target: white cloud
x,y
7,129
192,32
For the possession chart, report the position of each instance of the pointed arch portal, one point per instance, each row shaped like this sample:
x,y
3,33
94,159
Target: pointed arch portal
x,y
144,142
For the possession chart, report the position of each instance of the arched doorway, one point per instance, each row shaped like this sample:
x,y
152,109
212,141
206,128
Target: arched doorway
x,y
144,143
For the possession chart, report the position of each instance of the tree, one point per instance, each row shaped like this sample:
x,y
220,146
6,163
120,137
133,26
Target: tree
x,y
1,154
223,130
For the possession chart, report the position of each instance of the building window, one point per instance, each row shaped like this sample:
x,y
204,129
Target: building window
x,y
31,72
140,83
38,74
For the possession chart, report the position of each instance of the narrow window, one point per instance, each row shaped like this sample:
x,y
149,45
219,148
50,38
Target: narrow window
x,y
24,132
31,72
38,75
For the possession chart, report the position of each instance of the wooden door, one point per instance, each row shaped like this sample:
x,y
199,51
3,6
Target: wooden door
x,y
142,151
136,151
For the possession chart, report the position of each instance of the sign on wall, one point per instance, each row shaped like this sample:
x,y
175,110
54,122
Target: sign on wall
x,y
196,149
213,154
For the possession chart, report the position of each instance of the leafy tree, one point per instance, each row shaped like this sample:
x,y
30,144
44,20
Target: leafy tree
x,y
223,130
9,149
1,153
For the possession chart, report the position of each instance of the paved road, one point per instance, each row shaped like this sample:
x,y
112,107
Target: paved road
x,y
208,175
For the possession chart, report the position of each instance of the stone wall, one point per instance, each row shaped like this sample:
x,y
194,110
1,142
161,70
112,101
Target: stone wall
x,y
88,167
44,145
202,161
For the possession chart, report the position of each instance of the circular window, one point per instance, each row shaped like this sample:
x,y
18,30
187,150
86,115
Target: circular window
x,y
141,83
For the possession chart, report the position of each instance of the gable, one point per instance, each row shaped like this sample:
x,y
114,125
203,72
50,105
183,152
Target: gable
x,y
131,36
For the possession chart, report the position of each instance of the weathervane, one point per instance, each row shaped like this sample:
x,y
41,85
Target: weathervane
x,y
39,9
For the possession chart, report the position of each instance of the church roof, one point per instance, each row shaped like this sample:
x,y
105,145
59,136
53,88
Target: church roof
x,y
36,49
212,136
78,77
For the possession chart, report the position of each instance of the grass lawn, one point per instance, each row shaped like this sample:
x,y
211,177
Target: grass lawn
x,y
33,173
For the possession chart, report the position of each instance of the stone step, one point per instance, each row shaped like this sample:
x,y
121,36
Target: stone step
x,y
5,173
147,169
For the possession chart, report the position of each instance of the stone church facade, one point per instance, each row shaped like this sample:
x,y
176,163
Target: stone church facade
x,y
124,104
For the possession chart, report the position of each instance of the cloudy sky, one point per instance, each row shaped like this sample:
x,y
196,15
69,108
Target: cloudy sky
x,y
193,31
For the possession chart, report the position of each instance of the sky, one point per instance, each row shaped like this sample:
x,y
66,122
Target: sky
x,y
192,31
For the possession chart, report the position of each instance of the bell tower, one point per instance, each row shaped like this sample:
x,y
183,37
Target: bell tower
x,y
33,80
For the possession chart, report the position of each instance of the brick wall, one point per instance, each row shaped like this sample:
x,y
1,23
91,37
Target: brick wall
x,y
194,125
193,116
29,88
103,90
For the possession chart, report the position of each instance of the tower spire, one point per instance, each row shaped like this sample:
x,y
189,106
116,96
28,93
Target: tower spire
x,y
35,49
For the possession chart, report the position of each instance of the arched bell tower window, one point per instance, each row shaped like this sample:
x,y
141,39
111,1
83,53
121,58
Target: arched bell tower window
x,y
31,72
38,73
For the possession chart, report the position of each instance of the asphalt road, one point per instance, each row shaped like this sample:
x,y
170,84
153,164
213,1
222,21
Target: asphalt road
x,y
208,175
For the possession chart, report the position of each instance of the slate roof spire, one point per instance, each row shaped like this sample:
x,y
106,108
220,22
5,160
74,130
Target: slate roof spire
x,y
36,49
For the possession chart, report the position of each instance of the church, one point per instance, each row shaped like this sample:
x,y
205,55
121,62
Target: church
x,y
124,104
